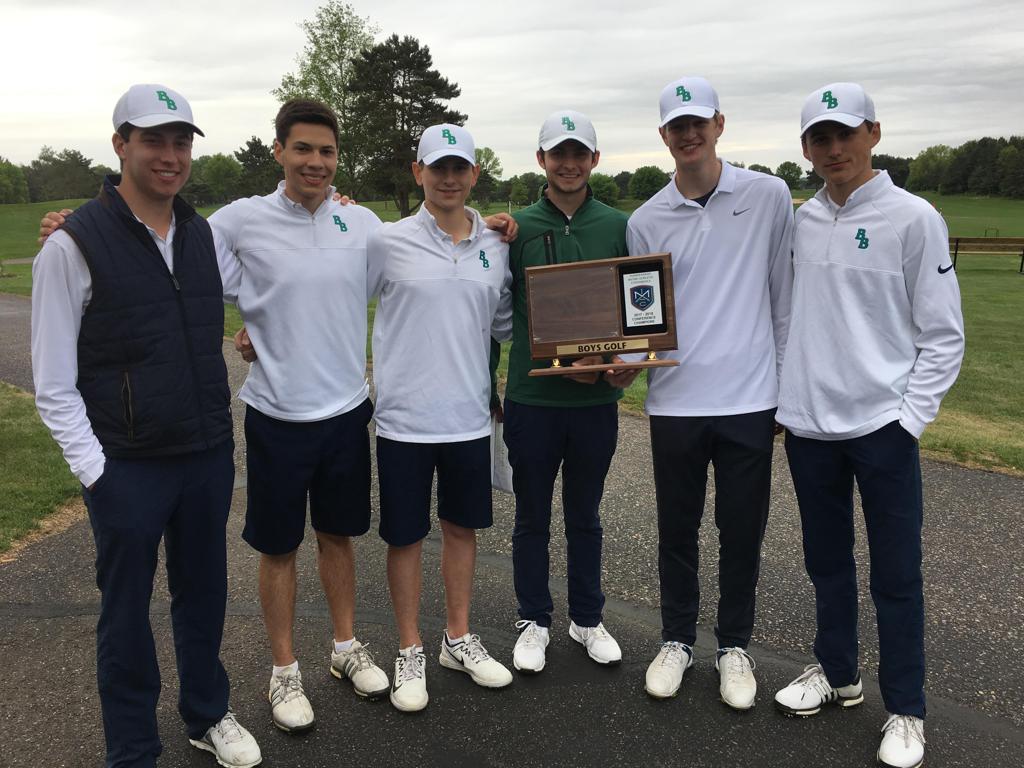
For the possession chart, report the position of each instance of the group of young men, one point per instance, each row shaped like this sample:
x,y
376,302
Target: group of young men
x,y
844,329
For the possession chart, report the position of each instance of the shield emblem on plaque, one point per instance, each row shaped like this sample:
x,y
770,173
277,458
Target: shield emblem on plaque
x,y
641,296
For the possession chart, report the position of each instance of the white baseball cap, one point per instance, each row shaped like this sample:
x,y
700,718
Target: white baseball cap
x,y
567,125
688,96
844,103
149,105
445,140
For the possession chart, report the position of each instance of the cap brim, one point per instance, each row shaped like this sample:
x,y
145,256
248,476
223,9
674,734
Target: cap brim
x,y
705,112
552,143
152,121
433,157
850,121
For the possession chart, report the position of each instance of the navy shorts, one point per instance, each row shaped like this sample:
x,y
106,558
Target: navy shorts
x,y
406,473
287,462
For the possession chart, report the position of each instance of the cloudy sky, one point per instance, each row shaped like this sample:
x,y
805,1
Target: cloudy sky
x,y
940,71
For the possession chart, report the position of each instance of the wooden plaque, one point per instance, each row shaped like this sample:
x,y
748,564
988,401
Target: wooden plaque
x,y
602,307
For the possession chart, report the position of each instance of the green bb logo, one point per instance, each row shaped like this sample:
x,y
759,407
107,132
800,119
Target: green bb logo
x,y
569,124
830,101
445,133
683,94
340,224
484,261
862,239
162,96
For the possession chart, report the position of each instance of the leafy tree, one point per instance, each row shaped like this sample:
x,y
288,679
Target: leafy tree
x,y
518,193
13,187
534,183
396,95
622,181
260,171
61,175
1011,171
737,164
215,179
972,168
898,168
488,161
325,71
646,181
761,168
813,181
791,173
486,185
604,187
928,168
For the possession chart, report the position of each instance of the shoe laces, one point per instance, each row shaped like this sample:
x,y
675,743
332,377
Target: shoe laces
x,y
411,666
672,653
529,632
475,649
737,662
813,678
362,658
289,687
906,726
229,729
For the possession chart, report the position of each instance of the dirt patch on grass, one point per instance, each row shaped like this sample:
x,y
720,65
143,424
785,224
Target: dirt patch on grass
x,y
62,518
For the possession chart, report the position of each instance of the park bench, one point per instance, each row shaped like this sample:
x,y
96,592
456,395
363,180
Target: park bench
x,y
958,245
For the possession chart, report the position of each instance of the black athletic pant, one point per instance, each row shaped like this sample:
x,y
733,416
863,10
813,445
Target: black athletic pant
x,y
740,449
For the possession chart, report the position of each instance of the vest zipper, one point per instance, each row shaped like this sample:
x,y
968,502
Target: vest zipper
x,y
126,403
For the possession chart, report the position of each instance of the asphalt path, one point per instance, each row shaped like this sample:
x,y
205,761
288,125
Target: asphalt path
x,y
575,712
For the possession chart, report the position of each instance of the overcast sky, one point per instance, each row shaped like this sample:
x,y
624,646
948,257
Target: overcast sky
x,y
941,71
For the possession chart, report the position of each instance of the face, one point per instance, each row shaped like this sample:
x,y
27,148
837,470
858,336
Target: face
x,y
568,166
841,155
309,157
692,140
447,182
155,162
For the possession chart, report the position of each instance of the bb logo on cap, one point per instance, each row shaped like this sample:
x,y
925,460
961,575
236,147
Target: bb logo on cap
x,y
830,101
569,124
162,96
683,94
448,135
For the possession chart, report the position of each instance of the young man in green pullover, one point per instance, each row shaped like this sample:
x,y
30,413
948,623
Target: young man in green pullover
x,y
567,422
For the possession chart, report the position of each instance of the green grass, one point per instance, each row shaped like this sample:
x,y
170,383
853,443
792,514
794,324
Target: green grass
x,y
972,216
35,478
19,226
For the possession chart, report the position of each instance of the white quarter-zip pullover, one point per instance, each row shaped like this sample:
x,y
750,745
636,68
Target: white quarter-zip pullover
x,y
440,304
877,334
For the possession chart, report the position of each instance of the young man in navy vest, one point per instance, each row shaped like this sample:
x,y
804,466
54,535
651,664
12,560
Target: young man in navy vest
x,y
127,327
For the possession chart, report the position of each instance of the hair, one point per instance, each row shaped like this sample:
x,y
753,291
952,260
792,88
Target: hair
x,y
303,111
125,131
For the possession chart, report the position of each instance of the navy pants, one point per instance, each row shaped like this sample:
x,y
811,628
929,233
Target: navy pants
x,y
580,441
887,468
185,500
740,448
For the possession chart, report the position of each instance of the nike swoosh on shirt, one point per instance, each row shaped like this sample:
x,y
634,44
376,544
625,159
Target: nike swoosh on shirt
x,y
944,271
737,213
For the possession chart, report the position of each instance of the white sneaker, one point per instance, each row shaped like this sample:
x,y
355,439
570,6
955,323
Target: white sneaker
x,y
600,645
665,674
231,744
409,688
357,665
467,654
528,653
736,683
289,707
902,742
806,695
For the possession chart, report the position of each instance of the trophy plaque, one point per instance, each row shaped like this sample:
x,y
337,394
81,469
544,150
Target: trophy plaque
x,y
601,307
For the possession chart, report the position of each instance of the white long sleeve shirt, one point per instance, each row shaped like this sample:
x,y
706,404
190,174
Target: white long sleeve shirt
x,y
61,291
440,304
877,333
300,283
732,275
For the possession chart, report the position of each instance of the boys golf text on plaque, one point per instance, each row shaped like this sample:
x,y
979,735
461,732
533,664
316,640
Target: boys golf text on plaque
x,y
603,307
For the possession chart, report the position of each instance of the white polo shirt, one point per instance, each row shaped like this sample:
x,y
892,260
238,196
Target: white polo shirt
x,y
733,275
440,304
877,333
301,287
